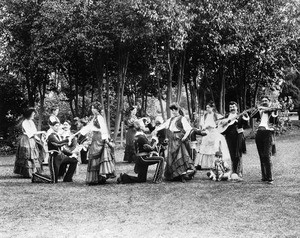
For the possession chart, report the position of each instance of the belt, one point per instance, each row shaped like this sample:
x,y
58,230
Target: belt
x,y
142,154
261,128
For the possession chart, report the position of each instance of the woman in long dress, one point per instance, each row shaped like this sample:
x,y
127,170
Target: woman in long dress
x,y
129,153
212,142
101,163
179,164
30,153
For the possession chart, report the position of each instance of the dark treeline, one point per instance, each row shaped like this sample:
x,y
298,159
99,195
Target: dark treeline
x,y
126,51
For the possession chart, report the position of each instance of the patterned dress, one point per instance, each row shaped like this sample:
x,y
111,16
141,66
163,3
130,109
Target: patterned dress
x,y
179,159
101,164
29,156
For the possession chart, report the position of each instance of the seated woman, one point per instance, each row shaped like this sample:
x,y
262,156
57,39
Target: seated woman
x,y
143,159
29,155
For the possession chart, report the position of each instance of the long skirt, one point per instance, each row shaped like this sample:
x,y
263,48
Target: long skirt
x,y
211,143
129,154
28,157
101,164
179,157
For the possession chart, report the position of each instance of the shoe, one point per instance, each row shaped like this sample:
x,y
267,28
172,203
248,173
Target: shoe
x,y
198,167
270,182
191,173
102,179
119,180
182,178
68,181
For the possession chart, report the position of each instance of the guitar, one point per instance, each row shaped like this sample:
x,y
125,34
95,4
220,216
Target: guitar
x,y
225,123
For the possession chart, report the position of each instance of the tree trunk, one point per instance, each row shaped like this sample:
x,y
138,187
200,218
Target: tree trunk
x,y
83,101
99,65
169,83
188,101
180,76
30,90
42,92
107,100
160,97
222,89
123,62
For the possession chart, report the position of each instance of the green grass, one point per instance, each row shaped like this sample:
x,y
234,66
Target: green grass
x,y
198,208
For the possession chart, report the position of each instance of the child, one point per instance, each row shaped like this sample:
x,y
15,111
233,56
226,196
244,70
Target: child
x,y
221,170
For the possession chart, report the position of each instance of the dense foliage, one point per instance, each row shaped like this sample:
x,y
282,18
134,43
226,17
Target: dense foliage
x,y
124,52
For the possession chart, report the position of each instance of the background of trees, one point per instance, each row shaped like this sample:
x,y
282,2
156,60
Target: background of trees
x,y
123,52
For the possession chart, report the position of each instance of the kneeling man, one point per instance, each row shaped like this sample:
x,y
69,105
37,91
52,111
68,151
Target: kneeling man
x,y
144,157
59,159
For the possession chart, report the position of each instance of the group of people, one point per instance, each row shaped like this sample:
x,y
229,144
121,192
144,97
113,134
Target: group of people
x,y
168,146
64,149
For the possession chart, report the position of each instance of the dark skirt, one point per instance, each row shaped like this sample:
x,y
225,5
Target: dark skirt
x,y
129,154
179,157
28,157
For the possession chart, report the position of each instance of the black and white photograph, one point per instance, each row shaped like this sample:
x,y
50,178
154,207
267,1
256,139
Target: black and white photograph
x,y
149,118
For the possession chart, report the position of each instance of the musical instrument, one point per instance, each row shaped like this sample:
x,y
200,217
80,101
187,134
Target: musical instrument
x,y
268,109
225,123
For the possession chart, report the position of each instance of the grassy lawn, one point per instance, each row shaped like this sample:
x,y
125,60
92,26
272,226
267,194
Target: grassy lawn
x,y
198,208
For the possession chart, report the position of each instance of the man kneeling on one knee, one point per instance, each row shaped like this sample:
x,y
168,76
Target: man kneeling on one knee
x,y
144,157
59,159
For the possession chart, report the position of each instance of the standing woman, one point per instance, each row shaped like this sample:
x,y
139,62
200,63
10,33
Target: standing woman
x,y
101,164
212,142
28,156
129,153
179,164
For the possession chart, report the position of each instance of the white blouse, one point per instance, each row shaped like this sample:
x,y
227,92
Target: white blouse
x,y
172,125
209,121
29,128
90,127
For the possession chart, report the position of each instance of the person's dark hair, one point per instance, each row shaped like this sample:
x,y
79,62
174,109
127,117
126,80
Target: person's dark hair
x,y
211,104
174,106
28,112
97,105
233,103
53,108
131,108
53,123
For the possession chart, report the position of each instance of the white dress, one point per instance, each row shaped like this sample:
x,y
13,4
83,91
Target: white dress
x,y
211,143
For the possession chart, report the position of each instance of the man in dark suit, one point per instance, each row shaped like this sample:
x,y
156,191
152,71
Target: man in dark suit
x,y
265,137
59,159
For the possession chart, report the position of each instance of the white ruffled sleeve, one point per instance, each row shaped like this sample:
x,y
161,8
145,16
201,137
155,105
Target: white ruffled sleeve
x,y
29,128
